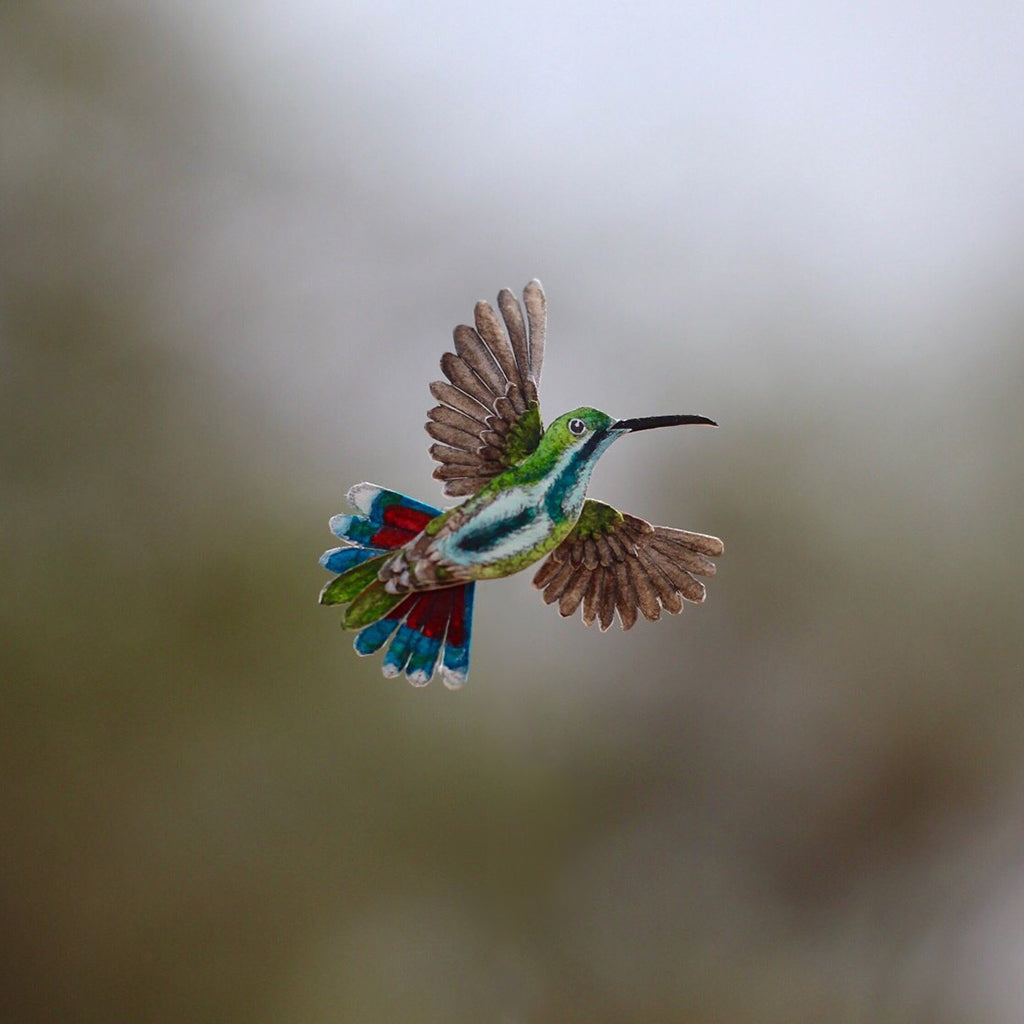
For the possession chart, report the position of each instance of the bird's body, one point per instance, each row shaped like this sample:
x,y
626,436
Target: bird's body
x,y
410,569
514,520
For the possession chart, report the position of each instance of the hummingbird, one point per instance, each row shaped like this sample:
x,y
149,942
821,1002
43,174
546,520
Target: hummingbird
x,y
407,571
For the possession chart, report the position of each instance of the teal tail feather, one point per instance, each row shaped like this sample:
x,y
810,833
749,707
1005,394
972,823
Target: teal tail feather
x,y
424,627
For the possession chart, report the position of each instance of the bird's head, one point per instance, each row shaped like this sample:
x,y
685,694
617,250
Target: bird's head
x,y
573,443
589,432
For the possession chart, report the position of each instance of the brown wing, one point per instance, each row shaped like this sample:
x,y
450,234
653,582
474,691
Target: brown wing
x,y
614,561
489,416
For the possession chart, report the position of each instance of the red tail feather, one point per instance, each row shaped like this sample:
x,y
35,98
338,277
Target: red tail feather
x,y
432,611
457,620
409,519
400,526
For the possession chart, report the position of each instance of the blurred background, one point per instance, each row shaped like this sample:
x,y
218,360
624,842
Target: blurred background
x,y
235,239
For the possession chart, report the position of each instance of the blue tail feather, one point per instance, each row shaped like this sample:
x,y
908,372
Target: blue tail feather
x,y
399,650
423,659
374,637
354,529
340,560
373,500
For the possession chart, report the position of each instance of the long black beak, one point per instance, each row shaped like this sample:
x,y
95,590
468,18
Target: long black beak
x,y
650,422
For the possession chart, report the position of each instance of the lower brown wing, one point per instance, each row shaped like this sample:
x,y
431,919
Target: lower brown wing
x,y
613,561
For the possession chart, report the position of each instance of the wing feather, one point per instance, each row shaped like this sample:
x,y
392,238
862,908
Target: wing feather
x,y
592,598
473,350
546,573
506,410
453,456
462,376
557,583
456,471
442,414
449,435
643,590
448,394
573,591
465,485
670,598
607,608
489,328
692,560
512,314
625,596
537,313
613,562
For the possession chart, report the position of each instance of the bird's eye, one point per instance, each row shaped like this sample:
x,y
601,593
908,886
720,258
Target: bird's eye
x,y
577,427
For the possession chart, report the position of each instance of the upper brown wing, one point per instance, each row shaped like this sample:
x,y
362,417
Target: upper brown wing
x,y
489,416
614,561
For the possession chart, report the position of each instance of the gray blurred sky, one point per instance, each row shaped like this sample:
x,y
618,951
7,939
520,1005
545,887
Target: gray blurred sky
x,y
732,188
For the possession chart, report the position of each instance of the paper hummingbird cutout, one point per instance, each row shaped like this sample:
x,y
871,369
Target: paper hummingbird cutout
x,y
407,571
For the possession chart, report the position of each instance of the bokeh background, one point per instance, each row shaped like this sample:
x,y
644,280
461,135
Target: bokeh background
x,y
235,238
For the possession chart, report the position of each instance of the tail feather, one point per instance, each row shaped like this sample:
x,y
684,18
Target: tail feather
x,y
340,560
397,655
422,628
351,583
372,500
372,638
455,664
423,659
